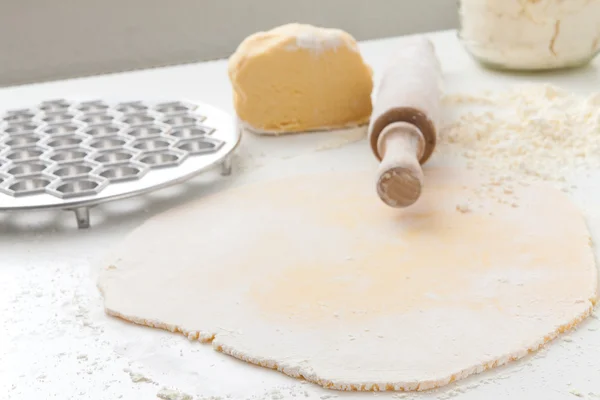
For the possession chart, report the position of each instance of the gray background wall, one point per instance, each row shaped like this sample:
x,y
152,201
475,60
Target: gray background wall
x,y
54,39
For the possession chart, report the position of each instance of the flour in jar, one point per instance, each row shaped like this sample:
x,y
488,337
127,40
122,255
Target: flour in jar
x,y
531,34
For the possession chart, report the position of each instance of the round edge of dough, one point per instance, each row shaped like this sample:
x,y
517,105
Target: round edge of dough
x,y
218,338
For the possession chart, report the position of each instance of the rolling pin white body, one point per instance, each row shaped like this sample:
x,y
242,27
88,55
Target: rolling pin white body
x,y
403,127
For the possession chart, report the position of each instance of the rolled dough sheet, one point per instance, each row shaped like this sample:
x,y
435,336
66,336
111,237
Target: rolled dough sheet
x,y
315,277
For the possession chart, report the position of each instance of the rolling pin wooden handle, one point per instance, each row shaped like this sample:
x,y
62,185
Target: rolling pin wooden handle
x,y
403,126
400,177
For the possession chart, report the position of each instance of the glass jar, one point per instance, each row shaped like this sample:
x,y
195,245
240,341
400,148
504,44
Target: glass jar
x,y
531,34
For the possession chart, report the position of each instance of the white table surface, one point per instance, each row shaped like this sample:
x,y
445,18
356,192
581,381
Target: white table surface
x,y
56,342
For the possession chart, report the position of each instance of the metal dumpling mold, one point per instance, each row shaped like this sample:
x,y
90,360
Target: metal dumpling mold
x,y
73,154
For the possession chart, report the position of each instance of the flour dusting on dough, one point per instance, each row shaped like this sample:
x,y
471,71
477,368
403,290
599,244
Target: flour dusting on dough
x,y
370,272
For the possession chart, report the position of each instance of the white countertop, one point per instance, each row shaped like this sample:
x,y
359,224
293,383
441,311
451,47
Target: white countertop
x,y
56,342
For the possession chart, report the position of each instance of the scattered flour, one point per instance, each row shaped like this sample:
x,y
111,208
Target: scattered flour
x,y
137,377
576,393
405,396
343,138
170,394
463,208
532,132
328,39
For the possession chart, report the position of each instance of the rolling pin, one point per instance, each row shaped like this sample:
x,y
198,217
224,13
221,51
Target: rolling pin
x,y
403,127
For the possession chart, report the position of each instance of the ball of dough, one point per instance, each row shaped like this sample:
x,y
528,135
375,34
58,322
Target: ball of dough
x,y
298,78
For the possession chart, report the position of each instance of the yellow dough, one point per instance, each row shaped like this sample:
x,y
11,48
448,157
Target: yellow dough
x,y
298,78
315,277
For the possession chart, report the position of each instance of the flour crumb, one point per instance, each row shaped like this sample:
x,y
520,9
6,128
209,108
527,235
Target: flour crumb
x,y
463,208
447,395
593,329
576,393
170,394
138,378
276,395
403,396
